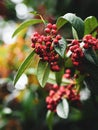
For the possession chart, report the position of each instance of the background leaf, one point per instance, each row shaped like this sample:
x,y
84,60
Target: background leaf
x,y
23,66
63,109
43,72
90,24
26,24
76,22
49,118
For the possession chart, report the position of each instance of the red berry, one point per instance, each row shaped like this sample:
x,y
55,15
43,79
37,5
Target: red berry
x,y
62,89
74,55
47,30
33,45
55,86
76,63
86,46
51,93
55,41
46,58
49,107
48,43
55,68
73,48
36,34
53,31
49,25
47,99
48,38
67,92
75,42
54,26
51,48
40,40
59,93
68,71
58,37
67,76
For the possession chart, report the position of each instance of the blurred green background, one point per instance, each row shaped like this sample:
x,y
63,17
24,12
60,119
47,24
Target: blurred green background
x,y
23,107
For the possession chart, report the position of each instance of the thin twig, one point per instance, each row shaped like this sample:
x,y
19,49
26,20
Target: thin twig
x,y
70,40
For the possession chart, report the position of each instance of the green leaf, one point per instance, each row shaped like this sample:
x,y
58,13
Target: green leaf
x,y
90,24
52,79
43,72
76,22
26,24
91,56
59,75
75,35
23,66
49,118
63,109
61,47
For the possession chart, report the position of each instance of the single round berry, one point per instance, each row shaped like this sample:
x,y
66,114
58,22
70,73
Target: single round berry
x,y
40,40
68,71
47,30
51,93
55,41
48,44
54,26
36,34
54,32
58,37
33,45
49,25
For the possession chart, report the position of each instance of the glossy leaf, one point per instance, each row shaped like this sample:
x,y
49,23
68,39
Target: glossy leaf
x,y
26,24
75,35
43,72
91,56
76,22
23,66
90,24
63,109
61,47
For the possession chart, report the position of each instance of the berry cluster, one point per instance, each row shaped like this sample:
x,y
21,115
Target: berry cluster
x,y
90,41
77,49
44,46
59,92
77,53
